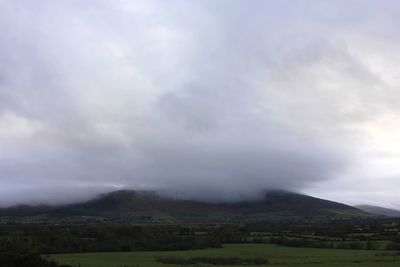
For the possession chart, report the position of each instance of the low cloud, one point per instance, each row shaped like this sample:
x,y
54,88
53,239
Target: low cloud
x,y
210,100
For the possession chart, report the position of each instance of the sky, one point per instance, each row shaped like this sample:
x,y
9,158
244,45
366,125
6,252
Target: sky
x,y
206,99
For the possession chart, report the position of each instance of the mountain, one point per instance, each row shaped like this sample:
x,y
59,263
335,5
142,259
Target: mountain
x,y
26,210
379,210
151,207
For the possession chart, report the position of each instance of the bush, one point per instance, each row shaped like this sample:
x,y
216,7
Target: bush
x,y
26,260
213,260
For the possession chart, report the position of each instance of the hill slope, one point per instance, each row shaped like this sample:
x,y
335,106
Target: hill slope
x,y
150,207
379,210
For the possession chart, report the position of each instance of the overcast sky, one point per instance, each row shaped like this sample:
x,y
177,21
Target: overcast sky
x,y
214,99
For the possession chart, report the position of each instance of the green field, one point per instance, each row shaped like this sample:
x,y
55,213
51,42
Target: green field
x,y
277,255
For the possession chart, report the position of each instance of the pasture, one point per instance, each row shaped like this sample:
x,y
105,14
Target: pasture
x,y
276,255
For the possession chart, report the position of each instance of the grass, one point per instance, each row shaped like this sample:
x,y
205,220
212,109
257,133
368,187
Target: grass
x,y
277,255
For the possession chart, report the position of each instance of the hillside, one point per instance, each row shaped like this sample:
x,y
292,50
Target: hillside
x,y
379,210
150,207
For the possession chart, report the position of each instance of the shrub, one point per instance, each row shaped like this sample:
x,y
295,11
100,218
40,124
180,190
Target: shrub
x,y
213,260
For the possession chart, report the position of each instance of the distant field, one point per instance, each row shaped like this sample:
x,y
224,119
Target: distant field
x,y
277,255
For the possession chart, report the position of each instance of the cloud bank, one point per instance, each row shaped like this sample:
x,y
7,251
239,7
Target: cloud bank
x,y
211,99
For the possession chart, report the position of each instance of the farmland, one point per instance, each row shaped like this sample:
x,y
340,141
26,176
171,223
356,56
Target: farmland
x,y
276,255
368,242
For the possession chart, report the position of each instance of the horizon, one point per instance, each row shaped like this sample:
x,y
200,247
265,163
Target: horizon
x,y
213,99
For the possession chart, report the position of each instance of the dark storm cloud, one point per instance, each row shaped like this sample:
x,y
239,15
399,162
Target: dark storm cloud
x,y
209,99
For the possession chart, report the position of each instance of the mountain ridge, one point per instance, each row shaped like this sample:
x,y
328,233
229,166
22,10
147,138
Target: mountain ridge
x,y
152,207
379,210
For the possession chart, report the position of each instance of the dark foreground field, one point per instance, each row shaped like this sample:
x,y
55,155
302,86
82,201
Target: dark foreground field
x,y
276,255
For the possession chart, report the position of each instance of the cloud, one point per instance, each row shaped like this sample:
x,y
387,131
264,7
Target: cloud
x,y
215,100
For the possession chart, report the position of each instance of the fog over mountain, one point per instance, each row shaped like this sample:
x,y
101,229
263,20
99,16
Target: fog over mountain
x,y
207,99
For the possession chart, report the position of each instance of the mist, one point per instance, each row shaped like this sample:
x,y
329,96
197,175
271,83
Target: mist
x,y
211,100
